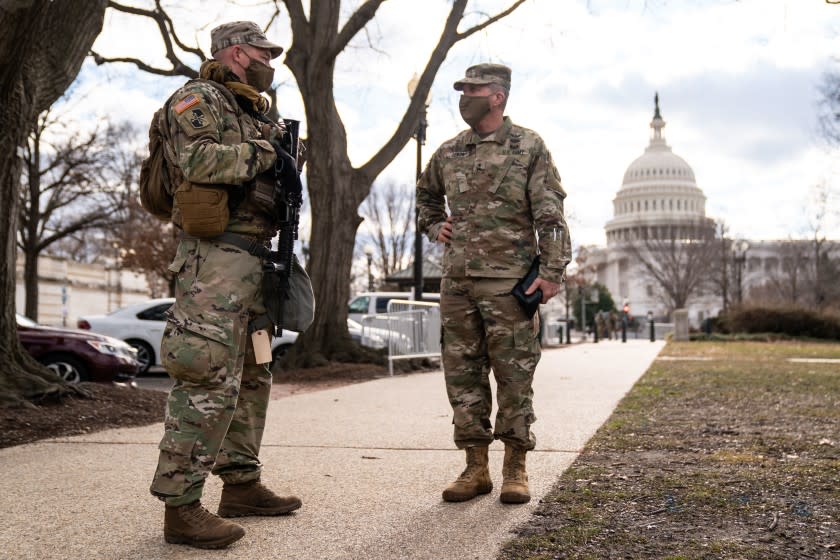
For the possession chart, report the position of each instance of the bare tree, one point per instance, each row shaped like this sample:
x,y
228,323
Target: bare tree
x,y
388,212
69,185
42,47
676,259
336,188
788,282
824,277
147,245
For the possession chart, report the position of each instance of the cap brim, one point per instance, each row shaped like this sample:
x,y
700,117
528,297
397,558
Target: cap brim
x,y
275,50
459,85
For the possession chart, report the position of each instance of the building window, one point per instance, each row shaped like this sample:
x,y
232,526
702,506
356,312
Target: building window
x,y
649,288
678,207
646,207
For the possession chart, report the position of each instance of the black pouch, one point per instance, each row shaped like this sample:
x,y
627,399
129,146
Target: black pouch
x,y
528,303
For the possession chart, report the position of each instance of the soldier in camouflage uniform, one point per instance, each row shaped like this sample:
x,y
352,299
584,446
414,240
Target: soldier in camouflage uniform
x,y
216,409
505,208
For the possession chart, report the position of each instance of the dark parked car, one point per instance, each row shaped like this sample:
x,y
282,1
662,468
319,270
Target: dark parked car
x,y
77,355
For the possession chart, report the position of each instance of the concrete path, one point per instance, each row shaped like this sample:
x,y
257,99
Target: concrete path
x,y
369,461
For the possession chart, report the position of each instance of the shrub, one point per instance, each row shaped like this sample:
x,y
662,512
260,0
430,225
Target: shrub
x,y
792,321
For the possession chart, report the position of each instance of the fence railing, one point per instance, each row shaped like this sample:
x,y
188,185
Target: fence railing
x,y
411,329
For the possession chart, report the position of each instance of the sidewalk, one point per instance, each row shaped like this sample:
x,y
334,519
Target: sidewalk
x,y
368,460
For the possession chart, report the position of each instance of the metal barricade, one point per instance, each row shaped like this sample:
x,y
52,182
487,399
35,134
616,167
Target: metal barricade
x,y
411,329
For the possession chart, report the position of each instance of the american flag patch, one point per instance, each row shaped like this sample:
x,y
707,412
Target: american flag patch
x,y
186,103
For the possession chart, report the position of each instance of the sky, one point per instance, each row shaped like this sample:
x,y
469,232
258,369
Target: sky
x,y
738,82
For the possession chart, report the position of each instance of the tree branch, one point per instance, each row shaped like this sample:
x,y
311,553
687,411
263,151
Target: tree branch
x,y
360,18
403,133
167,33
490,21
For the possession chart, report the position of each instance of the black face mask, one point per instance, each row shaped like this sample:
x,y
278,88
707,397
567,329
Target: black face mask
x,y
259,74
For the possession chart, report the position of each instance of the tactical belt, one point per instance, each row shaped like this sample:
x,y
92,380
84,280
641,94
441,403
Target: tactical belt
x,y
251,244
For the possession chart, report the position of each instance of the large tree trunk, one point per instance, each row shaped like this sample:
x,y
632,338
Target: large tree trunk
x,y
42,46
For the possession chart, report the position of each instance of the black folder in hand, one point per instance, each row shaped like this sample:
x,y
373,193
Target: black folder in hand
x,y
529,303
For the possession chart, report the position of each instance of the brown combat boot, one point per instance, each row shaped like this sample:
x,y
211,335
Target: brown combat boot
x,y
514,477
252,498
474,480
193,525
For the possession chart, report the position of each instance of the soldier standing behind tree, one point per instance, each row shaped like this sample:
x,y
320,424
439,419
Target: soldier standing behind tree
x,y
506,205
218,138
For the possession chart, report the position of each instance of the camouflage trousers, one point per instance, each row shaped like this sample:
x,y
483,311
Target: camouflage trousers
x,y
216,410
484,328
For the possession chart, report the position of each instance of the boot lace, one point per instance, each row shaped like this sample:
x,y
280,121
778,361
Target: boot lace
x,y
198,516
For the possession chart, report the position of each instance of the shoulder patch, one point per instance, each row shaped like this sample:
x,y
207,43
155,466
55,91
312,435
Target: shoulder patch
x,y
186,103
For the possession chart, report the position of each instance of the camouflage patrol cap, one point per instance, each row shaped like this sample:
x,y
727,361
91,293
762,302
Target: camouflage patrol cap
x,y
241,33
485,73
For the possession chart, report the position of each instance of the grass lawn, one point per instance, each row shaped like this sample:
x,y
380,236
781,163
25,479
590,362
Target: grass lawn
x,y
727,450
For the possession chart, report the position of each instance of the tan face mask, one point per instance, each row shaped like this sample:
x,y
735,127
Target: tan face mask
x,y
259,74
473,109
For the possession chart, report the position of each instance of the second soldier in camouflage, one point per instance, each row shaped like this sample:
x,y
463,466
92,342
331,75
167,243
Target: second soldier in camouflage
x,y
505,208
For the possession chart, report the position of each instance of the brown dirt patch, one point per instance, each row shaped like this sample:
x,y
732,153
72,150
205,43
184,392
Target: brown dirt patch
x,y
113,406
733,456
110,406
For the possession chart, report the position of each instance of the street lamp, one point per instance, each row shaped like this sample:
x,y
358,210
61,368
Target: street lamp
x,y
420,136
369,255
739,257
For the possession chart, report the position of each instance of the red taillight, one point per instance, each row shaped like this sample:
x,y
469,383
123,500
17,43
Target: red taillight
x,y
82,324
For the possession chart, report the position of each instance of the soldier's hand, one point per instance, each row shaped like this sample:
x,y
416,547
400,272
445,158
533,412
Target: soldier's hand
x,y
445,233
549,289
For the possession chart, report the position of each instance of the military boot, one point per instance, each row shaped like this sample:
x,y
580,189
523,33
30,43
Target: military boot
x,y
193,525
474,480
252,498
514,477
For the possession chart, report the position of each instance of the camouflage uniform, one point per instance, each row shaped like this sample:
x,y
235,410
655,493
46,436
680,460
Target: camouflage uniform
x,y
216,410
503,191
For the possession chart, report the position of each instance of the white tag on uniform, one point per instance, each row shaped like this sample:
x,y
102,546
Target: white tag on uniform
x,y
262,346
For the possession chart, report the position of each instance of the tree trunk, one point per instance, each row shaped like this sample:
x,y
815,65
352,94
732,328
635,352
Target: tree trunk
x,y
42,48
30,283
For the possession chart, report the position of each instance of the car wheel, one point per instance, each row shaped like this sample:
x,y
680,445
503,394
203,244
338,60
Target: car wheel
x,y
278,353
145,354
68,368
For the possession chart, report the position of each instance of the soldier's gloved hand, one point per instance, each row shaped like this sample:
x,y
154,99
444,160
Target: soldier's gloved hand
x,y
272,132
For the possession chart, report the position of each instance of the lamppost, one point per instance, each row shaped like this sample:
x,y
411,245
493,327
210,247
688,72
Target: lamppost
x,y
739,257
369,255
420,137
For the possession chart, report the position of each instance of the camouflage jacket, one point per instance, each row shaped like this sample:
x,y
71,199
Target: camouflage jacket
x,y
213,141
506,201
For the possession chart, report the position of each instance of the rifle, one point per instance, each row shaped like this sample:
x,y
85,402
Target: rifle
x,y
288,196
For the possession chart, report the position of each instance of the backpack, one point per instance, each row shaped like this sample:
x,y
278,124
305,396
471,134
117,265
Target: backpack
x,y
200,210
157,188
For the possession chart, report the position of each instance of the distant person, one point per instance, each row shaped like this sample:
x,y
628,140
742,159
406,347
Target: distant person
x,y
504,194
219,135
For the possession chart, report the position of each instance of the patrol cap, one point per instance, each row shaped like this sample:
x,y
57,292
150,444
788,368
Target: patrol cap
x,y
241,33
485,73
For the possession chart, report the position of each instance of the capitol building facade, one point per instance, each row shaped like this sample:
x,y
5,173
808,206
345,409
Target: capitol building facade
x,y
659,202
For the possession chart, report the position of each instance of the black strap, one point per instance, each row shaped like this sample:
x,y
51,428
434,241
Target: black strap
x,y
251,244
